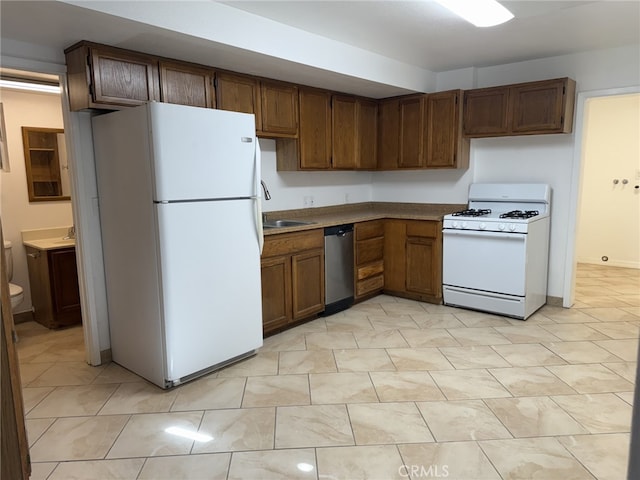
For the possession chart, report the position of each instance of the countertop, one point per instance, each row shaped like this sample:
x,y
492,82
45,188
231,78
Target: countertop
x,y
359,212
48,238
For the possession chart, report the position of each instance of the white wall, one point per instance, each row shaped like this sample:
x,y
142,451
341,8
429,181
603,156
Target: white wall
x,y
29,110
609,215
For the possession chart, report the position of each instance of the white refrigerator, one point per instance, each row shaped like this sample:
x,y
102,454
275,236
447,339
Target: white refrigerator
x,y
179,201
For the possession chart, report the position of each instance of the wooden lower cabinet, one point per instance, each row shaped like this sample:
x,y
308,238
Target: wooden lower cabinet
x,y
292,278
369,258
413,259
53,278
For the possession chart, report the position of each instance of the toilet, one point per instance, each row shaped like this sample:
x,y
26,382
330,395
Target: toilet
x,y
16,293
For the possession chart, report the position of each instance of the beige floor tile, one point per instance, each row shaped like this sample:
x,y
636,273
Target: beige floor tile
x,y
284,341
617,330
237,429
539,458
66,373
528,355
530,381
73,401
437,320
435,337
566,315
403,308
263,363
125,469
534,417
626,396
328,388
380,339
526,334
433,308
31,371
605,301
275,391
307,361
581,352
370,307
363,360
605,456
627,350
36,427
338,323
481,319
317,325
632,310
478,336
41,471
468,384
598,413
462,420
78,438
313,426
413,359
393,322
380,423
626,370
294,464
405,386
140,397
591,378
442,460
208,393
473,356
32,396
590,291
148,435
537,318
571,332
114,373
187,467
349,463
330,341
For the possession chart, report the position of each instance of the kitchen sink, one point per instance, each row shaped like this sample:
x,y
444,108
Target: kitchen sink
x,y
285,223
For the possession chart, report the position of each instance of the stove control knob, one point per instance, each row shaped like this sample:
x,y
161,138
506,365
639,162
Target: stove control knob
x,y
512,227
502,226
482,226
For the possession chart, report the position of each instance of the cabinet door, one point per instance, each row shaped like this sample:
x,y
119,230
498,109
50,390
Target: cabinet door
x,y
307,283
394,255
186,85
367,116
486,112
276,292
238,93
411,132
388,134
123,78
538,107
315,129
344,132
64,284
279,109
445,146
420,268
40,285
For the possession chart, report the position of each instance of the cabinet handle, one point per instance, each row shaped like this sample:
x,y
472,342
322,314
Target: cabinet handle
x,y
34,255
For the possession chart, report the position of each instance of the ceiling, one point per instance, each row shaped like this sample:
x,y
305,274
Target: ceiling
x,y
418,33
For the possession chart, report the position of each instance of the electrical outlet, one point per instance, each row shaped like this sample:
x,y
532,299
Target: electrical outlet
x,y
308,201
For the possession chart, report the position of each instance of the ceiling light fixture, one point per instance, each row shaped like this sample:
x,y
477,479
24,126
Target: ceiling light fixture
x,y
31,87
482,13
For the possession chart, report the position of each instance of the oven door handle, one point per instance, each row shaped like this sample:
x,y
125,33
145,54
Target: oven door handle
x,y
485,234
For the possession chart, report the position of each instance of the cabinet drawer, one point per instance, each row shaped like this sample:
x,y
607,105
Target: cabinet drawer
x,y
369,250
287,243
370,270
369,230
369,285
423,229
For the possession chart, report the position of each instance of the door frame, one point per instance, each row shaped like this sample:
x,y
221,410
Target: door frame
x,y
576,186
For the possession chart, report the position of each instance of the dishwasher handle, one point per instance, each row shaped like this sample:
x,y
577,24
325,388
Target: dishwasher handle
x,y
339,230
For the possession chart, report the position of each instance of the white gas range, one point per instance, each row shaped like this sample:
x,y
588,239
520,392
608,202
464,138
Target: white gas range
x,y
495,253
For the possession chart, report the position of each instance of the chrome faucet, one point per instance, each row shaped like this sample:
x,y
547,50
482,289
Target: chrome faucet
x,y
267,195
71,233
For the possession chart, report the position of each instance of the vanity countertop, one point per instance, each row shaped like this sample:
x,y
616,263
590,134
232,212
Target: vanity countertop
x,y
48,238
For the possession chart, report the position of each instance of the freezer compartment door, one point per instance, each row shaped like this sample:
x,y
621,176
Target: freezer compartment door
x,y
202,153
210,274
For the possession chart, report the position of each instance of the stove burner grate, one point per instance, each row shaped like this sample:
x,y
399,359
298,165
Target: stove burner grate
x,y
520,214
472,212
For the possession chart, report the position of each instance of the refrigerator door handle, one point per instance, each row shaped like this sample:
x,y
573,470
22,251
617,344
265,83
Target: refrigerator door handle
x,y
257,192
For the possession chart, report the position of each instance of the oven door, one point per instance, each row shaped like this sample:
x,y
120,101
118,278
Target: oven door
x,y
486,261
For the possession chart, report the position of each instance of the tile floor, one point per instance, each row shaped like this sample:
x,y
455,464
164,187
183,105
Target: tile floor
x,y
390,389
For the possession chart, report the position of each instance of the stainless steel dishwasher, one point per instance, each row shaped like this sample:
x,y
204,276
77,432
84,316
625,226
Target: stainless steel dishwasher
x,y
338,268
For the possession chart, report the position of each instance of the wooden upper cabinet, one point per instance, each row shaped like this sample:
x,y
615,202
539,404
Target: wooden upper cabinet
x,y
344,114
367,117
239,93
315,129
411,132
109,78
445,145
388,133
522,109
279,109
186,85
